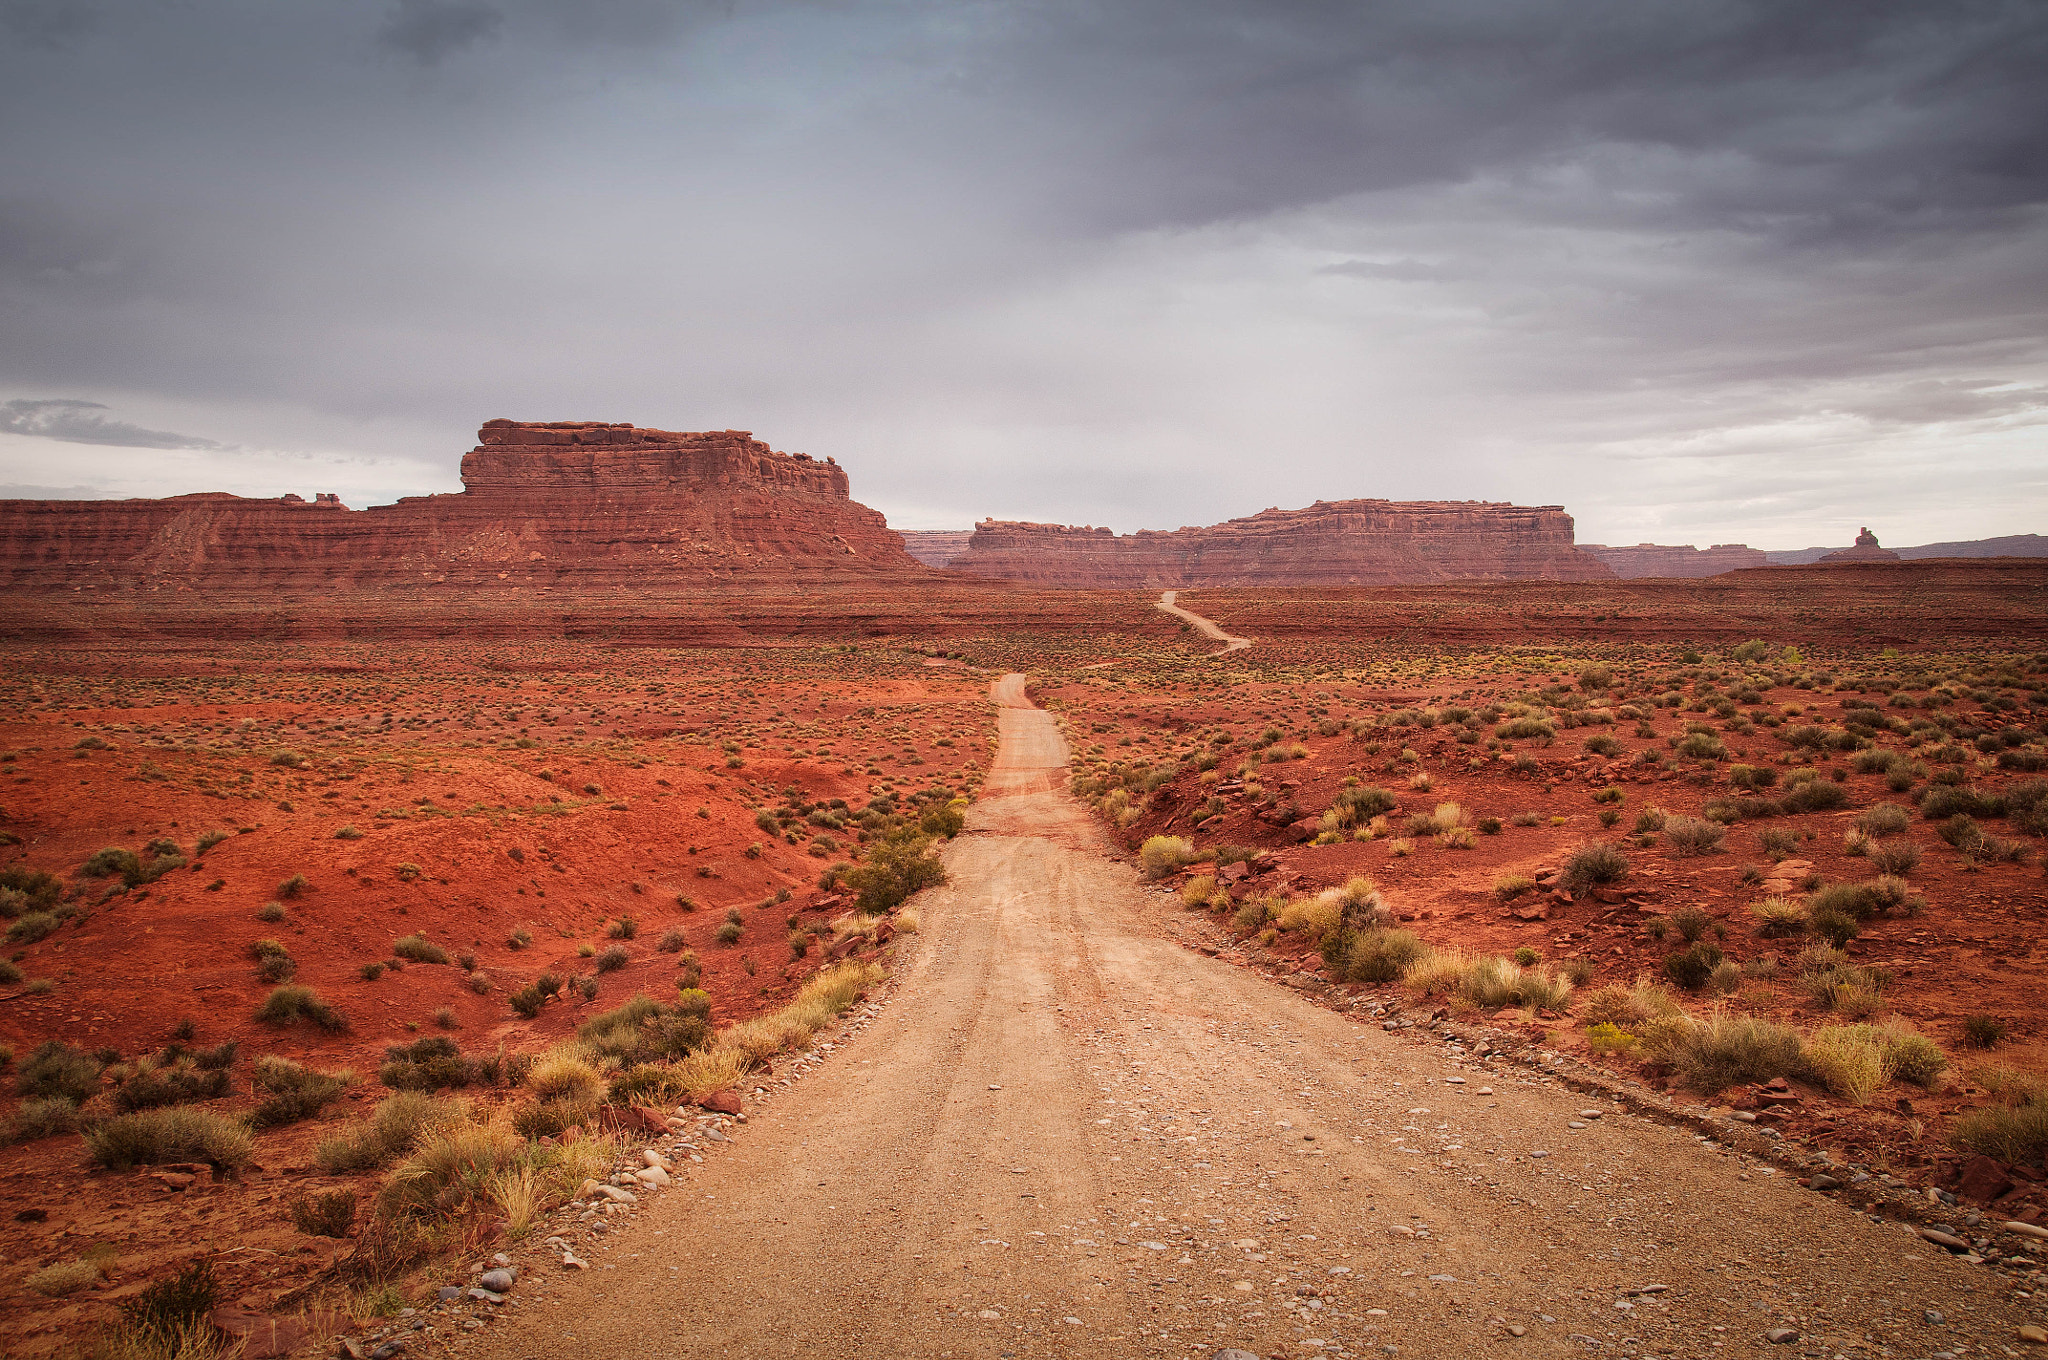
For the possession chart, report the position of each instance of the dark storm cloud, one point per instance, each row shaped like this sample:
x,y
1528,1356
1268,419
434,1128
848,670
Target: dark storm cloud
x,y
78,422
1068,259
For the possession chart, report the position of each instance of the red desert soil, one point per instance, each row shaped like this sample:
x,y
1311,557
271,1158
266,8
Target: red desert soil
x,y
416,793
129,720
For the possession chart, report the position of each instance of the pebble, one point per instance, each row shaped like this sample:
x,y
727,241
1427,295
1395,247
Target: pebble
x,y
1517,1329
1932,1318
2024,1229
1824,1183
1781,1336
2034,1335
1539,1153
448,1293
653,1176
499,1281
1590,1114
1233,1353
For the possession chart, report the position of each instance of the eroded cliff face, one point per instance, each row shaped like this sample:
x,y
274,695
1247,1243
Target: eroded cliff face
x,y
580,503
1680,562
1360,542
936,547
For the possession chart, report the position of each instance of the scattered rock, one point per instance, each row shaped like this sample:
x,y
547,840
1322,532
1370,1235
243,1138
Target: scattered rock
x,y
2034,1335
1932,1318
499,1281
1517,1329
1942,1239
1984,1179
1824,1183
2024,1229
724,1102
1781,1336
1233,1353
448,1293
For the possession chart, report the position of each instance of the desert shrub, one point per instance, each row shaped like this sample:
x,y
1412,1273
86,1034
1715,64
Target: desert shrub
x,y
561,1075
1602,744
1712,1054
1316,916
1524,729
173,1134
448,1169
1837,984
389,1132
1591,863
1691,922
625,928
528,1000
2010,1135
1650,819
1899,857
1251,914
418,949
1914,1058
41,1118
328,1215
1777,842
1198,892
672,941
519,938
31,927
1943,801
1814,795
1983,1030
612,958
1881,820
431,1064
1777,917
1846,1059
728,933
57,1071
1702,746
294,1002
1692,966
1509,886
292,1092
66,1277
9,975
172,1080
1752,777
1162,855
1692,836
1616,1007
1379,956
1359,805
1495,982
295,886
169,1319
895,869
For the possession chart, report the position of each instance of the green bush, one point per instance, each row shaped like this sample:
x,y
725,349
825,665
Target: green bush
x,y
1692,836
1359,805
1882,819
1162,855
1814,795
1524,729
895,869
175,1134
176,1081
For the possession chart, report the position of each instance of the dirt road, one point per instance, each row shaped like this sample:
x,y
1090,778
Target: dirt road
x,y
1205,627
1063,1134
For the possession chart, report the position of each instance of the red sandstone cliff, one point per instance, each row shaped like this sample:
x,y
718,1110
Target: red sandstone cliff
x,y
935,547
1683,562
568,502
1362,542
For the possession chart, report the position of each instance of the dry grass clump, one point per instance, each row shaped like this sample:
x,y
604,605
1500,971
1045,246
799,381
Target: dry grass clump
x,y
1447,817
817,1003
1162,855
173,1134
1853,1061
1777,917
1377,956
294,1002
1316,916
1692,836
292,1092
66,1277
391,1130
1711,1054
1200,891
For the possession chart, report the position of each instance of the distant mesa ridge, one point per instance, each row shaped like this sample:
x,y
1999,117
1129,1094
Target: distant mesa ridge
x,y
1351,542
1681,562
586,502
936,547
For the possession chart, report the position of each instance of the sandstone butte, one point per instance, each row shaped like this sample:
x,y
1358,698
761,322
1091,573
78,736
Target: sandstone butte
x,y
1680,562
568,502
936,547
1357,542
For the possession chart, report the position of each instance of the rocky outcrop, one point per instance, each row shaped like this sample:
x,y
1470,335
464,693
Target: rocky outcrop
x,y
936,547
1361,542
543,504
1682,562
1867,549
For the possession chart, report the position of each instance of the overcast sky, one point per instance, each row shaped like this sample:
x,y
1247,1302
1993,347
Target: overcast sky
x,y
1699,271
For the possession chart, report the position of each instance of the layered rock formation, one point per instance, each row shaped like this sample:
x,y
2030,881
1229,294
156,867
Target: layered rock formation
x,y
1867,549
1361,542
568,502
935,547
1682,562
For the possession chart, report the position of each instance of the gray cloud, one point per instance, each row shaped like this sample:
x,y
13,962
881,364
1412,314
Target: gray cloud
x,y
77,422
1143,263
430,31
